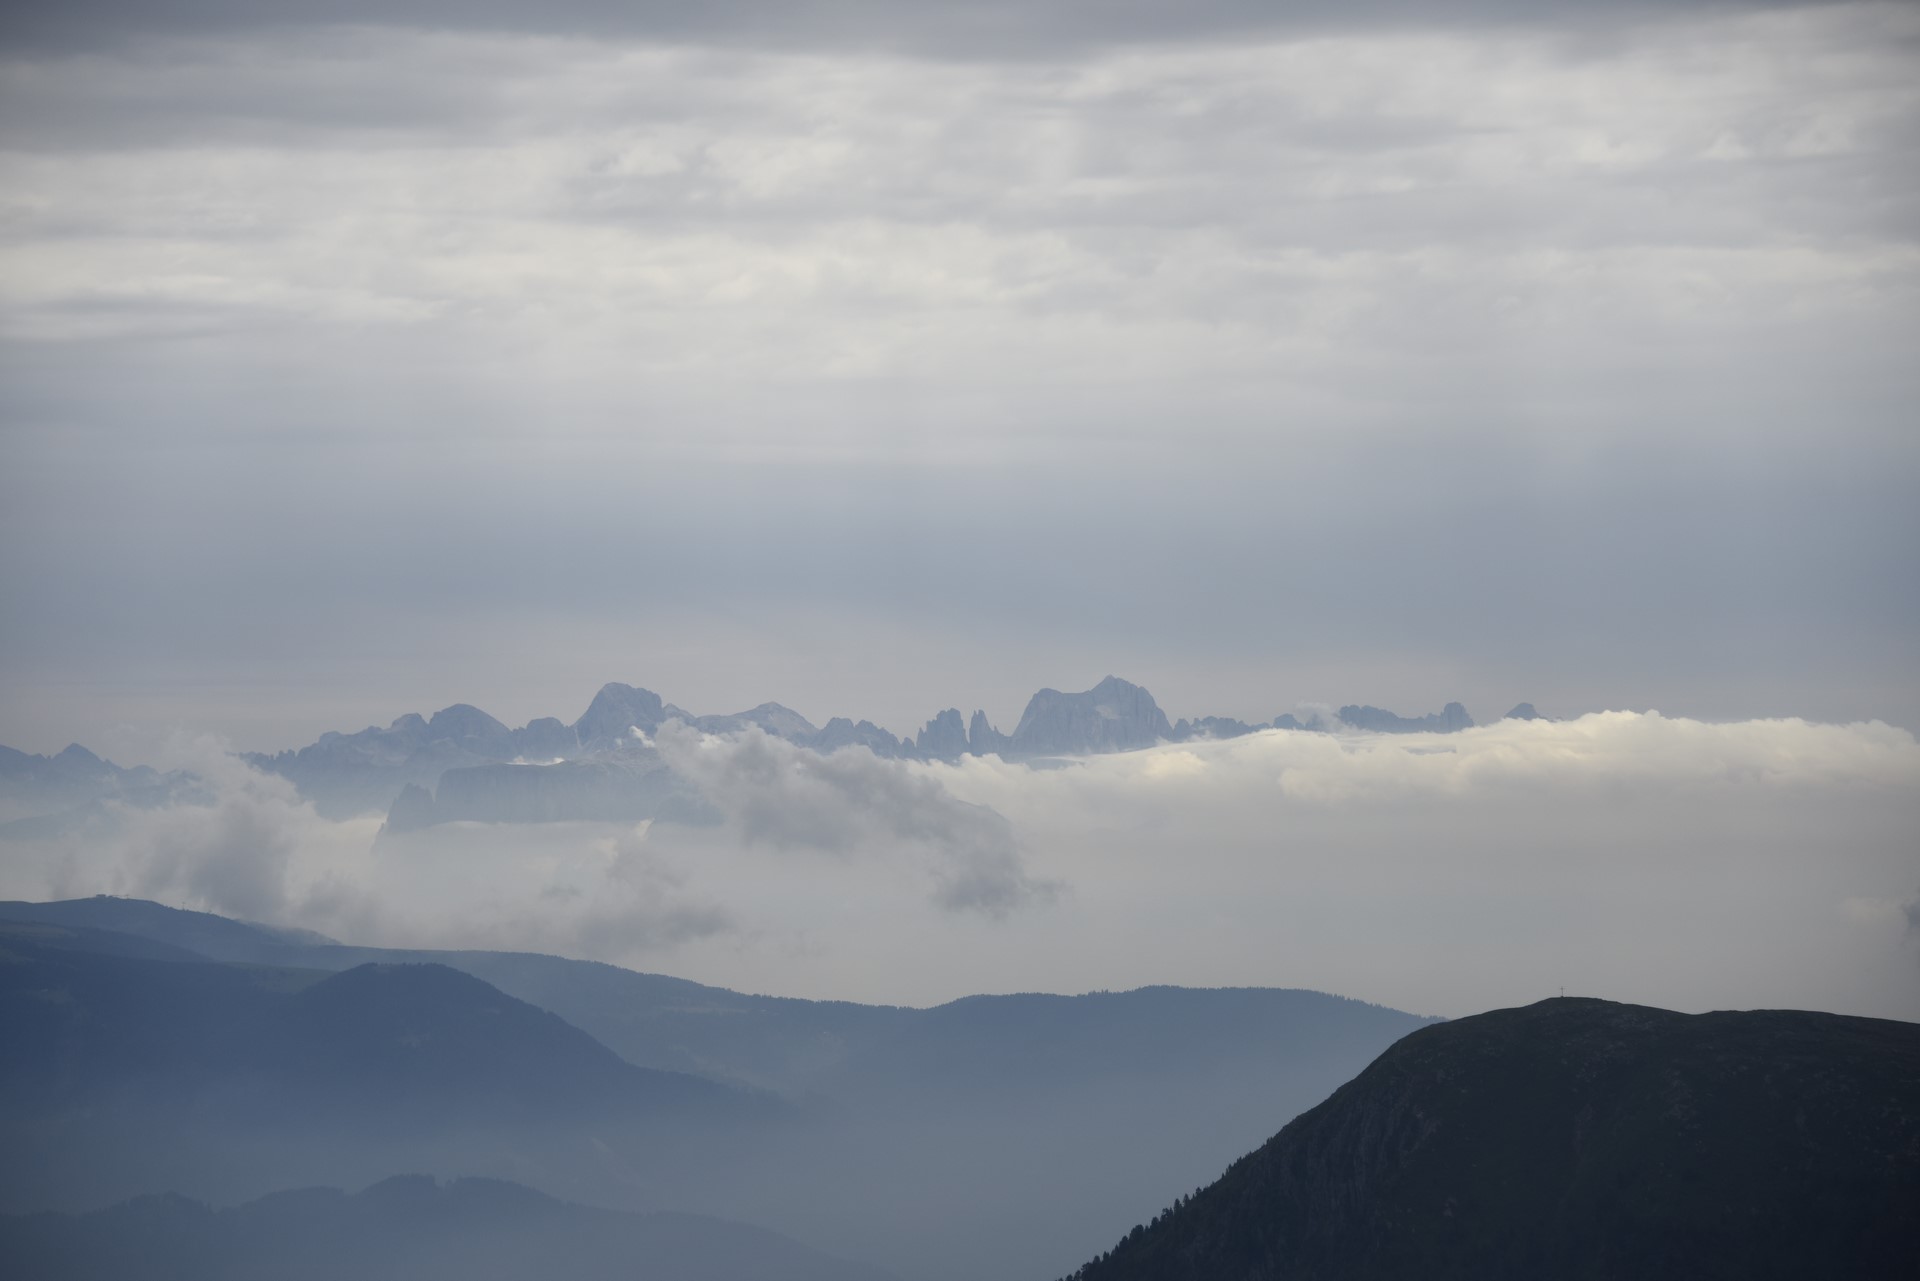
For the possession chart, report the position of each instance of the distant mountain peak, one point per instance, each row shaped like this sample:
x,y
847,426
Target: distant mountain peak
x,y
1115,715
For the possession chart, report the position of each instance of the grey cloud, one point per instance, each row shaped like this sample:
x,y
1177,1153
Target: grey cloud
x,y
851,800
640,904
988,27
1485,875
246,845
242,844
364,365
234,861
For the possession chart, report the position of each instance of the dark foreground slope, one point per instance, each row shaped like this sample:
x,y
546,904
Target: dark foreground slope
x,y
404,1229
123,1073
1578,1138
994,1136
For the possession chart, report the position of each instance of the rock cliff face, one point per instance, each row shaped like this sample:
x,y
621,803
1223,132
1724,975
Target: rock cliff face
x,y
944,738
841,732
1580,1139
615,712
471,730
982,738
1448,720
1113,716
545,739
347,774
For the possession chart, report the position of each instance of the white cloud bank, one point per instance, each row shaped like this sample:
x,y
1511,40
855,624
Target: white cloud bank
x,y
784,796
1635,856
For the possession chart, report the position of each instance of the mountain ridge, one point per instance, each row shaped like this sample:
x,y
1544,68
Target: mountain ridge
x,y
461,764
1576,1138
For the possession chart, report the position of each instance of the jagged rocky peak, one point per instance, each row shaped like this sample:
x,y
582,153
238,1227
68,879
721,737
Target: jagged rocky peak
x,y
841,732
944,738
1450,719
779,721
982,738
545,739
1113,716
617,710
467,725
784,722
412,810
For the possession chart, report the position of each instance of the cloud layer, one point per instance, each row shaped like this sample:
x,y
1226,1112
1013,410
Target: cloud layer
x,y
326,354
1632,856
849,802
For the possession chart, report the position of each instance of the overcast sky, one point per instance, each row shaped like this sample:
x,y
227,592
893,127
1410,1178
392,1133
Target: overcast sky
x,y
881,357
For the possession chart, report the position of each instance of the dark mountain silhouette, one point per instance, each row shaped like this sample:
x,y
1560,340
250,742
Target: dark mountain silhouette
x,y
1574,1139
419,1042
122,1073
202,934
990,1136
407,1228
838,1049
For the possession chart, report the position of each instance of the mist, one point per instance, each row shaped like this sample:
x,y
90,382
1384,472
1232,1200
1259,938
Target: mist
x,y
1655,859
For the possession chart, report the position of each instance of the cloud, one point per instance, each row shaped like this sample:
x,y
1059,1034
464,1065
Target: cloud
x,y
852,801
1643,857
639,903
1468,322
933,28
243,844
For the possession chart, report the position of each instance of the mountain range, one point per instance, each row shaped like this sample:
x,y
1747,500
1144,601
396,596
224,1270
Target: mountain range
x,y
162,1062
145,1049
463,765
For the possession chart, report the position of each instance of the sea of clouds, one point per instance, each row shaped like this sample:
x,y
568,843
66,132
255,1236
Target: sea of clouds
x,y
1621,854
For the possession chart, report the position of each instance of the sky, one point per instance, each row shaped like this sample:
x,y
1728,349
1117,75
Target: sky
x,y
876,359
880,358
